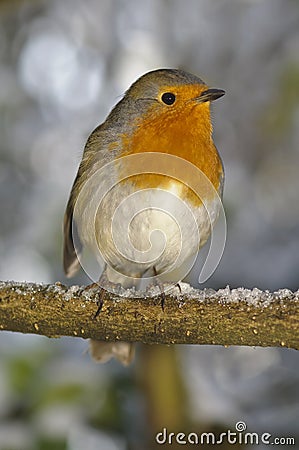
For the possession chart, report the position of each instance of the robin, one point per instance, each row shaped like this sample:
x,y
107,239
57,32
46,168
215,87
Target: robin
x,y
146,194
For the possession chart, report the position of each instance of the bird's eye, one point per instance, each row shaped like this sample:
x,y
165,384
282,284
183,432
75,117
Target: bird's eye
x,y
168,98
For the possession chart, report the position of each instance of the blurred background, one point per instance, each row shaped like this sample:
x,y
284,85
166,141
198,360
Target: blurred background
x,y
63,65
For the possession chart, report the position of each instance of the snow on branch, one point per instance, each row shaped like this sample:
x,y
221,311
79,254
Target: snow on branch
x,y
224,317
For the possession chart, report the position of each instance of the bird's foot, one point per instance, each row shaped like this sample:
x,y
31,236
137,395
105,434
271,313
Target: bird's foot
x,y
100,295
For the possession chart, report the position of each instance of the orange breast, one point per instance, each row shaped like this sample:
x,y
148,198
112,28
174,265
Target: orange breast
x,y
185,133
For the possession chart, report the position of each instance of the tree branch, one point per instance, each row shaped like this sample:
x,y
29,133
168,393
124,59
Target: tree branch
x,y
224,317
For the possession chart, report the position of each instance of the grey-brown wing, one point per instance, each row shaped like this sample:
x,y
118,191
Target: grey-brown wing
x,y
72,245
94,156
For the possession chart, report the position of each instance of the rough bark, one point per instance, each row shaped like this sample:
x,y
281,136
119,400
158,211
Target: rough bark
x,y
223,317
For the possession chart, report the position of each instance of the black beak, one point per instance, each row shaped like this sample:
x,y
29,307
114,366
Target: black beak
x,y
210,95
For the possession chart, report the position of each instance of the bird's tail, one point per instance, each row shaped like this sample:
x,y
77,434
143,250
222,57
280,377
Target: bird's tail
x,y
104,351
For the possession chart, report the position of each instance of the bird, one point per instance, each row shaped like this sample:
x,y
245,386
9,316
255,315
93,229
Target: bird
x,y
146,195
